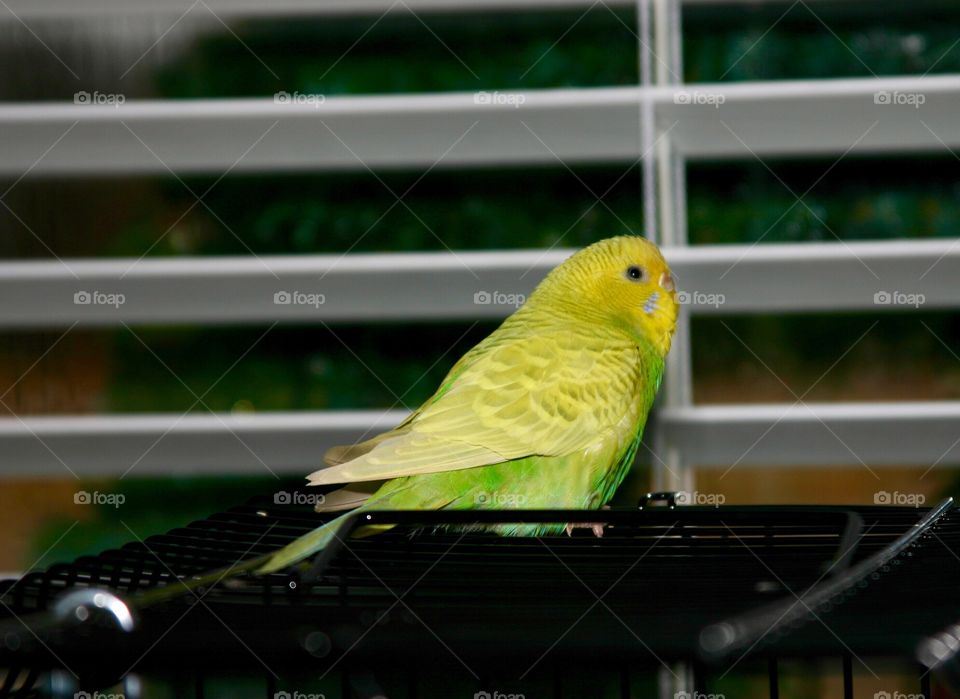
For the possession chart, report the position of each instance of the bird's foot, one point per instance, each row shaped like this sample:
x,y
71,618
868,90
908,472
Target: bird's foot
x,y
597,528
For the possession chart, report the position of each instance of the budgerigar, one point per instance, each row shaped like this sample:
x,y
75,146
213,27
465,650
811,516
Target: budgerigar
x,y
546,412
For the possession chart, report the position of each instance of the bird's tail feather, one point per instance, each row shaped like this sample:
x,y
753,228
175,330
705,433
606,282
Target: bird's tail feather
x,y
314,541
303,547
289,555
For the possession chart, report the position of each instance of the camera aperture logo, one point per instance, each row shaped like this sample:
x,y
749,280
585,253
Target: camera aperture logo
x,y
83,497
284,97
684,497
698,298
98,98
498,298
882,497
508,99
909,99
898,298
698,97
98,298
298,298
297,498
485,499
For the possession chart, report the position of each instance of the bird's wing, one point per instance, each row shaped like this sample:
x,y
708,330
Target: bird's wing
x,y
348,497
542,394
334,456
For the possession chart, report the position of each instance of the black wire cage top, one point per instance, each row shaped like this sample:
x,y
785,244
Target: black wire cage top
x,y
433,602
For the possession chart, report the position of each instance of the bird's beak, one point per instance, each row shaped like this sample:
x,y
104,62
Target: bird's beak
x,y
666,282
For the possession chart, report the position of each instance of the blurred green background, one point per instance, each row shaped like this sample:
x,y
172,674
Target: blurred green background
x,y
305,367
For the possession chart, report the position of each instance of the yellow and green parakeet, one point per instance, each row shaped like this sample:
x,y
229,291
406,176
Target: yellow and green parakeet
x,y
546,412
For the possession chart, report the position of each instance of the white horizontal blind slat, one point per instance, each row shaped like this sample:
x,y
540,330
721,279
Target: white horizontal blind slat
x,y
591,125
813,434
765,278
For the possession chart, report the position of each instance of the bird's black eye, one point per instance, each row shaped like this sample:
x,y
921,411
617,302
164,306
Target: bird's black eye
x,y
634,273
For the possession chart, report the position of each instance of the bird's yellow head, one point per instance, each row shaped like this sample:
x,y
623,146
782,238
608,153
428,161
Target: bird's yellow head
x,y
625,280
